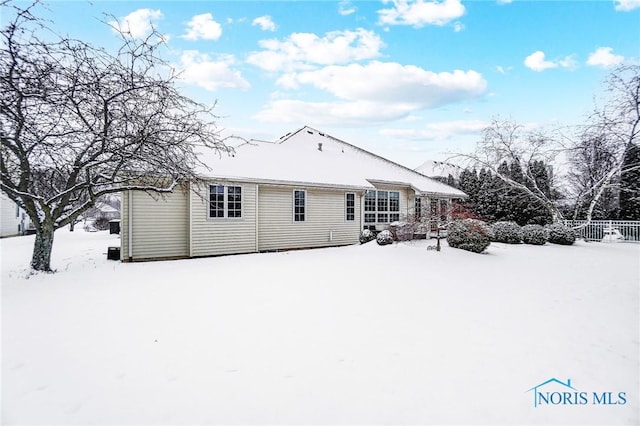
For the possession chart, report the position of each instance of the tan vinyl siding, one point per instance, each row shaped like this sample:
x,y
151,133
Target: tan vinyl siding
x,y
325,222
160,225
216,236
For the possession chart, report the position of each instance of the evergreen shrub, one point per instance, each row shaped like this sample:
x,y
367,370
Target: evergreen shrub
x,y
384,238
507,232
101,223
366,236
469,234
561,234
534,234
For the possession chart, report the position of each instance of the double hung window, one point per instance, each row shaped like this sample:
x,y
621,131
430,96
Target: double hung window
x,y
417,209
225,201
350,206
299,205
370,207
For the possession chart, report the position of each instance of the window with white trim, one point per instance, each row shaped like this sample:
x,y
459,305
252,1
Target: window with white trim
x,y
299,205
370,207
417,209
350,206
381,206
234,201
225,202
394,206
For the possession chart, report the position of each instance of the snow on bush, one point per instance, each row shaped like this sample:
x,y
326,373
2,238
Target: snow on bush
x,y
534,234
561,234
101,223
384,238
366,236
401,231
507,232
469,234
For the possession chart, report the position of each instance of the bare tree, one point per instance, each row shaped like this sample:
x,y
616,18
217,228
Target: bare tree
x,y
590,160
596,155
616,128
78,122
507,141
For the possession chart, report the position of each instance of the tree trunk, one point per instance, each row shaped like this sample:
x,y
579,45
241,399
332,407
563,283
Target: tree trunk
x,y
41,259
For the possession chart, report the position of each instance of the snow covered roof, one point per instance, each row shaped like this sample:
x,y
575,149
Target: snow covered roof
x,y
311,157
439,168
106,208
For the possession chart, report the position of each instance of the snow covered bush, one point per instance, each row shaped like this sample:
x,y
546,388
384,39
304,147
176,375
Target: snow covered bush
x,y
384,238
561,234
534,234
401,231
101,223
507,232
366,236
469,234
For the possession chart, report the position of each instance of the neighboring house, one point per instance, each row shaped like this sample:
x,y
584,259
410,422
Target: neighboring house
x,y
14,220
102,210
307,189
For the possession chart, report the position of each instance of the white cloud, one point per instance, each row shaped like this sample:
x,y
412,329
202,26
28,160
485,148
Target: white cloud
x,y
538,62
504,1
442,131
265,23
418,13
300,50
604,57
391,82
203,27
139,23
627,5
503,70
331,113
376,92
458,26
345,8
200,69
569,63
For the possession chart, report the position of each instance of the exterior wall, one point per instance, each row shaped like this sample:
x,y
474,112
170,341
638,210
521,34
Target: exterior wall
x,y
178,224
216,236
160,225
325,222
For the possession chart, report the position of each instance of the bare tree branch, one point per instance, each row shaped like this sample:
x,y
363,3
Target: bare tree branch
x,y
78,122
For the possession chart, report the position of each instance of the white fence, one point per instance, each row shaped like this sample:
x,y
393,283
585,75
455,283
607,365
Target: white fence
x,y
596,230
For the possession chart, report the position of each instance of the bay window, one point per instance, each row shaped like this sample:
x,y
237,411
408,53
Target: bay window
x,y
381,206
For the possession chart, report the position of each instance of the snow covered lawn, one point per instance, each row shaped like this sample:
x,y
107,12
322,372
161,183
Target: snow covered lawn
x,y
353,335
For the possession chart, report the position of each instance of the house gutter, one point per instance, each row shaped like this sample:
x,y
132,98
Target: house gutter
x,y
275,182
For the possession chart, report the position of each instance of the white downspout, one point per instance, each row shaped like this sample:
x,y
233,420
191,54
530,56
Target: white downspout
x,y
130,226
190,212
257,218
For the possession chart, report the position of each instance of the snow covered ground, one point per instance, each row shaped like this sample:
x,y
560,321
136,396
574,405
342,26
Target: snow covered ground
x,y
354,335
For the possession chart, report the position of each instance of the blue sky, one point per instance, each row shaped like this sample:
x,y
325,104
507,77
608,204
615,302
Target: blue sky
x,y
407,79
